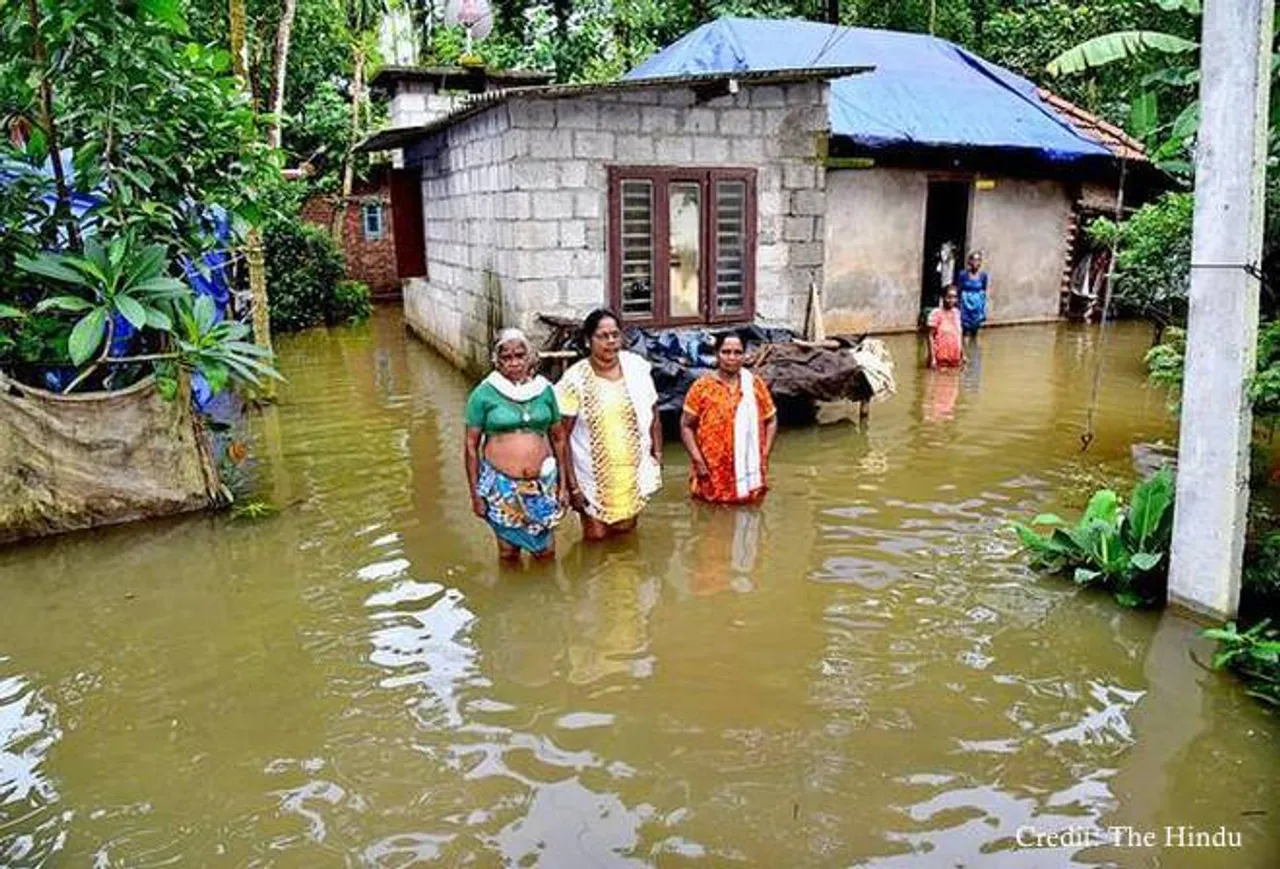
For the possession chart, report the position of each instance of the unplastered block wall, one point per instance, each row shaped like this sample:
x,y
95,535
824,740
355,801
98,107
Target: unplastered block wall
x,y
1022,226
556,230
465,178
515,202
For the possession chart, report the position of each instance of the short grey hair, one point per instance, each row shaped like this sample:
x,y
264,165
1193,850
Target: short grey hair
x,y
508,336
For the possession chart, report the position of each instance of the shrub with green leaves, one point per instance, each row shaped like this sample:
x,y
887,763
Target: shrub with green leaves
x,y
1120,548
351,303
304,268
1253,653
120,282
1154,264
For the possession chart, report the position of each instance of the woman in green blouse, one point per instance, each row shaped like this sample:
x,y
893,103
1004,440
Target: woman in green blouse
x,y
515,449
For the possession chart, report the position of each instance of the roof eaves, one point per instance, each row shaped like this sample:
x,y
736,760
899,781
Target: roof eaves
x,y
1109,136
478,103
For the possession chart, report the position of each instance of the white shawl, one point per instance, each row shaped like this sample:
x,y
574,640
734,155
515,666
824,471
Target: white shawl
x,y
518,392
747,471
643,395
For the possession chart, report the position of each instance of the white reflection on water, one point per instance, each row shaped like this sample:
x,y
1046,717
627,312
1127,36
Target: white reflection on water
x,y
425,646
29,832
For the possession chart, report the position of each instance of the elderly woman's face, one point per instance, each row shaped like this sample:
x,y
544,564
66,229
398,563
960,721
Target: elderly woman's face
x,y
514,361
606,340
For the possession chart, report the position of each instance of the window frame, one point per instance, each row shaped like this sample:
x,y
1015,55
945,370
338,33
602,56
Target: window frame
x,y
365,209
661,177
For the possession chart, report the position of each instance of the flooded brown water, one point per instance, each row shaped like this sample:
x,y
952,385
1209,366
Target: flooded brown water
x,y
862,672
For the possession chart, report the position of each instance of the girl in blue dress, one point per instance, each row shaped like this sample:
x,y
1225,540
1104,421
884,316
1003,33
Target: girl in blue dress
x,y
973,284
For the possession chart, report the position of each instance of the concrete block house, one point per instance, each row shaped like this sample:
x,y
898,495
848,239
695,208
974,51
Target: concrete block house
x,y
733,171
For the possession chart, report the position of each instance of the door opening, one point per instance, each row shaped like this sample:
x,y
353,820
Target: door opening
x,y
946,227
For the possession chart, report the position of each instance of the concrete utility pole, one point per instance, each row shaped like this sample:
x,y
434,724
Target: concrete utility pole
x,y
1213,454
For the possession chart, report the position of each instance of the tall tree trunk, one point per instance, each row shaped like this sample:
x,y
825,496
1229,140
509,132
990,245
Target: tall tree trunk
x,y
284,35
237,33
236,27
833,11
357,97
62,209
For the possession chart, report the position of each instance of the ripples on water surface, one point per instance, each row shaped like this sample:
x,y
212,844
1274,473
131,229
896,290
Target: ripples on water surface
x,y
862,672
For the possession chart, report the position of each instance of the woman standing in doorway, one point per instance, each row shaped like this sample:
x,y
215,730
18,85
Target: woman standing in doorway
x,y
615,435
728,426
514,451
974,285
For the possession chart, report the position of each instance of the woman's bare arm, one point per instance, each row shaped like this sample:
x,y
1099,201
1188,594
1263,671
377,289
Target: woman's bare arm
x,y
770,434
689,437
471,459
560,448
655,434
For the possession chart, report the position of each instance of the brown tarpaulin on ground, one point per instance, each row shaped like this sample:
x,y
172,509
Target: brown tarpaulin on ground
x,y
798,372
80,461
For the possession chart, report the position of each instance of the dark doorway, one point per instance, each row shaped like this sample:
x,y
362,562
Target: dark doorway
x,y
946,221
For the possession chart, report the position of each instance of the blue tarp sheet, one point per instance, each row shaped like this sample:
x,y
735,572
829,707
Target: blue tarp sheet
x,y
923,90
207,278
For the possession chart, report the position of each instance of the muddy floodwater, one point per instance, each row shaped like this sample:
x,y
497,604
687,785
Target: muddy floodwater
x,y
863,672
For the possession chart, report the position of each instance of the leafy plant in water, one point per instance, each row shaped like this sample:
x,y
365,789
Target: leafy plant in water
x,y
1121,549
116,283
216,349
1254,653
253,510
107,281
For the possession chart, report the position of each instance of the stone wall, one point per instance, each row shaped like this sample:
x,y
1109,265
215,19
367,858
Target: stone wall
x,y
416,104
467,179
515,201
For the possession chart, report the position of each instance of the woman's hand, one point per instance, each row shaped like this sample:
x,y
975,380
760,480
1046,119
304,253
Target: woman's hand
x,y
700,469
577,500
479,507
562,495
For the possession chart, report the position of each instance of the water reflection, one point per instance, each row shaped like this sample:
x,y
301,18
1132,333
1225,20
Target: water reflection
x,y
31,828
861,671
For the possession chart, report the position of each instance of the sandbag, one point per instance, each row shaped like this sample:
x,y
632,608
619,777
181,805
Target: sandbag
x,y
82,461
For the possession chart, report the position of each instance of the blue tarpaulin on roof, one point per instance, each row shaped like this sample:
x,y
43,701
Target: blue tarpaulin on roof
x,y
923,90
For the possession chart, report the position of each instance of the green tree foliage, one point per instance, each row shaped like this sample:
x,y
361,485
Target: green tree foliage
x,y
1154,263
304,269
114,69
1027,37
150,123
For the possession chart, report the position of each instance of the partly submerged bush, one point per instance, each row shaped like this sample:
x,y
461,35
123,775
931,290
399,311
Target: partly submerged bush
x,y
1122,548
115,308
1254,653
304,268
351,303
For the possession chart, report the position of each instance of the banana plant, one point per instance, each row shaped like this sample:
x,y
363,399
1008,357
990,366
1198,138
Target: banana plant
x,y
1120,548
105,282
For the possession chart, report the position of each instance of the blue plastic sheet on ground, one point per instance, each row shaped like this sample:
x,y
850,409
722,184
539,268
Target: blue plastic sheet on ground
x,y
923,90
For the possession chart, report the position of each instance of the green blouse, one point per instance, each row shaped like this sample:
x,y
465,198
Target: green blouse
x,y
494,413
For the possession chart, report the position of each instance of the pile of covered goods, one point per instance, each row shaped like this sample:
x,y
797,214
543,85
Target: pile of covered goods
x,y
800,374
